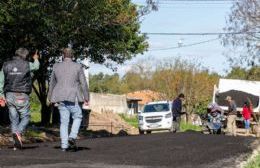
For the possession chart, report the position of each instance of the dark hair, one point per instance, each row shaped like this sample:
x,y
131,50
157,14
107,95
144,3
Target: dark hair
x,y
22,52
181,95
247,104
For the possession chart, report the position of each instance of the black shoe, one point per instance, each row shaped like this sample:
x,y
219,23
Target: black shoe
x,y
17,140
72,144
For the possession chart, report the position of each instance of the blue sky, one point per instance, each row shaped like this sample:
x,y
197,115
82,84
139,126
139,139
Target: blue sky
x,y
182,17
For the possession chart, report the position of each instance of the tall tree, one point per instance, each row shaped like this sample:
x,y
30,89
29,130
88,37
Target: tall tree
x,y
245,20
175,76
103,30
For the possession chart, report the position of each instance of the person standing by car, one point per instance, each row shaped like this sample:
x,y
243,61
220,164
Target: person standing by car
x,y
177,111
15,88
231,116
246,112
65,90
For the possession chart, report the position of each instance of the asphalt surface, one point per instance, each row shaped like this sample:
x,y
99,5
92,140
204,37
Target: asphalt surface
x,y
185,150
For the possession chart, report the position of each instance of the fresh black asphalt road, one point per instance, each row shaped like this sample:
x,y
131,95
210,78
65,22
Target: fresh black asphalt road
x,y
187,150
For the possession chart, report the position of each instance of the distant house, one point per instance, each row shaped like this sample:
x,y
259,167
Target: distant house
x,y
138,99
128,104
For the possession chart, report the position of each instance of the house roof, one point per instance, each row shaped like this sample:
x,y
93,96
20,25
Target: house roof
x,y
145,95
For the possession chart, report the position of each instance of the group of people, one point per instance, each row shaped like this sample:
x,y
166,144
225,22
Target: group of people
x,y
215,109
232,114
68,89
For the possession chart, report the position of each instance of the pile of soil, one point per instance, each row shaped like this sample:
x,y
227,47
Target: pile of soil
x,y
101,125
239,97
109,121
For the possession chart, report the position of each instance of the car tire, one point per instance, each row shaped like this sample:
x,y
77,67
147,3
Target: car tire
x,y
148,132
141,132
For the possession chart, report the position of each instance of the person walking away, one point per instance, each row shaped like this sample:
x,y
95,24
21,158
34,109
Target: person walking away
x,y
65,90
15,88
177,111
246,112
232,115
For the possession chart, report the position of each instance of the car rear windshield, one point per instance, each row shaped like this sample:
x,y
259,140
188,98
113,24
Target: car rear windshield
x,y
156,108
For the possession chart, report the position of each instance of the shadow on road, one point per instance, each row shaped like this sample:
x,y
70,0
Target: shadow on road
x,y
25,147
80,148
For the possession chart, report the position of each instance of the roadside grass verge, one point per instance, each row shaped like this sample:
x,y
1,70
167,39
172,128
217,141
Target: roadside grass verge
x,y
255,163
189,127
131,120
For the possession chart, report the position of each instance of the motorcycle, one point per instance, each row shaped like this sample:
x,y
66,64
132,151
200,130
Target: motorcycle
x,y
213,123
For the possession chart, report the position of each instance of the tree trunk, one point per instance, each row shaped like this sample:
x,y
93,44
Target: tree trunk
x,y
45,114
41,93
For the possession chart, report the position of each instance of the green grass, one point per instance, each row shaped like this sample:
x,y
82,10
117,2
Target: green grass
x,y
33,133
131,120
35,108
189,127
254,163
35,117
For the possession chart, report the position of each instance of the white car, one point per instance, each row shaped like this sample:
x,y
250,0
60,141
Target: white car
x,y
155,116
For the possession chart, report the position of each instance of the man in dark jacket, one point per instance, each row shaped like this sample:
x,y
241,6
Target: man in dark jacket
x,y
16,76
177,111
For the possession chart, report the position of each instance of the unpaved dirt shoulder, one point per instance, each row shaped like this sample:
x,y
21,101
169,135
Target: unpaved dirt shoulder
x,y
256,151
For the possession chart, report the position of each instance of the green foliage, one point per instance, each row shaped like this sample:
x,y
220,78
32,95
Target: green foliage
x,y
101,83
253,73
131,120
173,77
35,117
110,29
104,31
35,108
168,77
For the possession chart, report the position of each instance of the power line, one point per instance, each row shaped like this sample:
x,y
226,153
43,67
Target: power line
x,y
187,45
199,34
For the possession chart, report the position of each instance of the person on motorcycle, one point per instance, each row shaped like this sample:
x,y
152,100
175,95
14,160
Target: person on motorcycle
x,y
215,117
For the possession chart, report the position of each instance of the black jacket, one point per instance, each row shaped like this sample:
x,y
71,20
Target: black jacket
x,y
176,107
17,76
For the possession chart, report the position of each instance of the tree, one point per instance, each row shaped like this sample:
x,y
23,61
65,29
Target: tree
x,y
104,31
101,83
173,77
244,19
139,76
247,74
